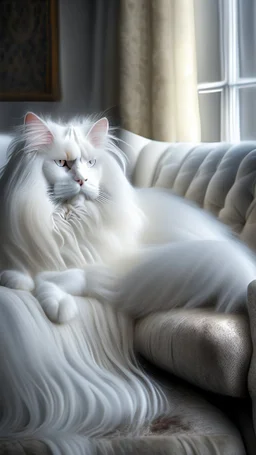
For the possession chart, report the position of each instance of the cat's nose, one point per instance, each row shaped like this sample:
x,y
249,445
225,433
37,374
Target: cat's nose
x,y
80,181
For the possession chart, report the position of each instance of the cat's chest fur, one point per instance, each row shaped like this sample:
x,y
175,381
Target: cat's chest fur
x,y
88,233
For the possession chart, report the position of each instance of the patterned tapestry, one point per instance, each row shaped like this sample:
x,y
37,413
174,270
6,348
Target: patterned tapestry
x,y
29,50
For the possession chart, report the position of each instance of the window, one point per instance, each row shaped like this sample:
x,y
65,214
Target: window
x,y
226,61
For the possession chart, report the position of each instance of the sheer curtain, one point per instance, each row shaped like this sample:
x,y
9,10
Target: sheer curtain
x,y
158,78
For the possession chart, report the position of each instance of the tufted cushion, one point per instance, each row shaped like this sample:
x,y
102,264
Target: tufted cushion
x,y
219,177
210,350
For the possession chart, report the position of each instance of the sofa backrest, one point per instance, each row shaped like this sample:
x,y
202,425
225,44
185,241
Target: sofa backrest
x,y
219,177
5,140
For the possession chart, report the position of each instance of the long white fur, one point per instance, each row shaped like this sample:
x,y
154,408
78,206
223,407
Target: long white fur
x,y
188,274
82,377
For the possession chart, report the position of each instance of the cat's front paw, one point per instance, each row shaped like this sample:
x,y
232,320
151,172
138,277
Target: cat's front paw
x,y
58,306
16,280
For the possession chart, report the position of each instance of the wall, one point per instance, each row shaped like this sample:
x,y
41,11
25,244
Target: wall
x,y
75,26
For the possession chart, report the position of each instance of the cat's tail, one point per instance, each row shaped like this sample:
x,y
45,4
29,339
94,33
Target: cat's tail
x,y
189,274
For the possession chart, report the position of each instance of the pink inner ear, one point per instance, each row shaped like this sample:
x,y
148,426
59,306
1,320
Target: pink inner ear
x,y
39,131
98,132
31,118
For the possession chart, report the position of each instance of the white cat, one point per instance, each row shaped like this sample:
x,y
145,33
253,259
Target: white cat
x,y
73,225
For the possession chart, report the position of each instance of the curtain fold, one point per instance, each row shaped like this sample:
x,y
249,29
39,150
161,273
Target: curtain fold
x,y
158,77
103,60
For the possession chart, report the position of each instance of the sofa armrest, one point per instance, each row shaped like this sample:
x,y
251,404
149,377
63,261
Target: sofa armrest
x,y
145,155
212,351
252,371
132,145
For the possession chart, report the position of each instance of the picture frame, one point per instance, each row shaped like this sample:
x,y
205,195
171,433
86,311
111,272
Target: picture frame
x,y
29,50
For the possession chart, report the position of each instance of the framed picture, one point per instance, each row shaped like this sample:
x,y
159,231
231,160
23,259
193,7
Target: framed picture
x,y
29,60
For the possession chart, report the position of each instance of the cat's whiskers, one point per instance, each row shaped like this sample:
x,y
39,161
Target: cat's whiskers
x,y
51,195
103,197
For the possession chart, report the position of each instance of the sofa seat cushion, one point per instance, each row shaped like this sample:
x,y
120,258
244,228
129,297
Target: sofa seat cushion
x,y
212,351
193,426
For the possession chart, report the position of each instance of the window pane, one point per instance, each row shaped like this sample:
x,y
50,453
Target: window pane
x,y
207,25
210,115
247,37
247,98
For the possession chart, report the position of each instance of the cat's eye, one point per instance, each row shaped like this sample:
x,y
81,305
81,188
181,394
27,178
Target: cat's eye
x,y
91,163
61,163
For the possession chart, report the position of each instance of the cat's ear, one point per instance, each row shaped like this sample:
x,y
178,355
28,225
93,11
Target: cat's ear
x,y
37,132
98,132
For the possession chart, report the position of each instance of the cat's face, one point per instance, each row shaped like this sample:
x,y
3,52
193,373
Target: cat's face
x,y
73,162
81,175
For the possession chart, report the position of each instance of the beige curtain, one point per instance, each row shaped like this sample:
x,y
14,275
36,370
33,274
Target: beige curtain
x,y
158,78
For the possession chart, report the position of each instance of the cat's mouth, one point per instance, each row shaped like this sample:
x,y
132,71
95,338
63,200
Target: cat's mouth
x,y
61,192
88,191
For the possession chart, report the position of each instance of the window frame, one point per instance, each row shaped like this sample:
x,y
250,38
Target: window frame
x,y
230,85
